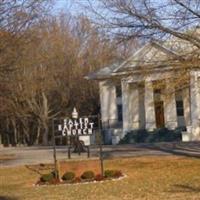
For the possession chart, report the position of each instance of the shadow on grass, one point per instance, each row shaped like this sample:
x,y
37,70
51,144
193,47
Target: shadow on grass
x,y
39,169
185,188
190,149
33,169
7,198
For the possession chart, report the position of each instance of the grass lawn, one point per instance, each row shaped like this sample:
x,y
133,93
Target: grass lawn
x,y
148,178
4,157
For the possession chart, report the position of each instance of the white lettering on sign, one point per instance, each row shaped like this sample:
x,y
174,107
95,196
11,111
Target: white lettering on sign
x,y
81,126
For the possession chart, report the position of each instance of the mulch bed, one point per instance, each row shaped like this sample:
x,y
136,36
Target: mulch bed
x,y
76,181
78,167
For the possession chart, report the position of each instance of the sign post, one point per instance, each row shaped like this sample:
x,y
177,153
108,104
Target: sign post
x,y
54,153
100,147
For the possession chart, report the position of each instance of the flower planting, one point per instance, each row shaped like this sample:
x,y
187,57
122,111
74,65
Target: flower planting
x,y
70,177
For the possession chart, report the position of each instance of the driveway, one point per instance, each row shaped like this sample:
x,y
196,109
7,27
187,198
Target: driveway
x,y
15,156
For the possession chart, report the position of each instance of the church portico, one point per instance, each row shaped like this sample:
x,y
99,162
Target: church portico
x,y
157,106
151,104
153,95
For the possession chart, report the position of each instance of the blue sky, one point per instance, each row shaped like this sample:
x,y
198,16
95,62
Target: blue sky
x,y
72,6
67,5
61,5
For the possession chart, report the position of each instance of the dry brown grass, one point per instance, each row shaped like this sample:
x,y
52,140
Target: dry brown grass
x,y
4,157
149,178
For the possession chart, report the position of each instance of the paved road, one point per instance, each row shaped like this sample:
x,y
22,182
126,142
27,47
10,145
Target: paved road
x,y
35,155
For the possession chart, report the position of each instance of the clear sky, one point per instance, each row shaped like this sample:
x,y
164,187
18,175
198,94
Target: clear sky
x,y
61,5
68,5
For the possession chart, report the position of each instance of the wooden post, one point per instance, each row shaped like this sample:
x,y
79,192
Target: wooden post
x,y
69,152
54,152
88,151
1,140
100,147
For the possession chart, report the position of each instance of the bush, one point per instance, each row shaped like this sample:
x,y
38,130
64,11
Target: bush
x,y
99,177
109,173
47,177
158,135
112,173
88,175
68,176
118,173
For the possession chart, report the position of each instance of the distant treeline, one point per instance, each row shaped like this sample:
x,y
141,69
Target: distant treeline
x,y
42,69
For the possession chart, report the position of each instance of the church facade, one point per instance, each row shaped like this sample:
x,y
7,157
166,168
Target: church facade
x,y
150,90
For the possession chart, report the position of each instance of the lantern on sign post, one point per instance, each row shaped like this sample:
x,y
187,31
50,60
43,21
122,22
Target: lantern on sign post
x,y
75,114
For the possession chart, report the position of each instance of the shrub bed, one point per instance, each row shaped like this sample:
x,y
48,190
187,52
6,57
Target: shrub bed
x,y
99,177
70,177
158,135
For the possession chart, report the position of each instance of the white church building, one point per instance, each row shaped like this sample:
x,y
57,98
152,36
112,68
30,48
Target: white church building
x,y
141,92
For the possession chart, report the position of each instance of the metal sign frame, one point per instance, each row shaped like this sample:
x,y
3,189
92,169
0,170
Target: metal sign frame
x,y
99,128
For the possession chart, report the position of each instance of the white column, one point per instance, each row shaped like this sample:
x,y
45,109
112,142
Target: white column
x,y
125,109
195,105
1,142
133,106
141,107
186,106
108,102
170,106
149,106
130,103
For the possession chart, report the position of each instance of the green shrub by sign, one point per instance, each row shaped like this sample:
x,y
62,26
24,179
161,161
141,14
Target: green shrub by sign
x,y
68,176
47,177
112,173
88,175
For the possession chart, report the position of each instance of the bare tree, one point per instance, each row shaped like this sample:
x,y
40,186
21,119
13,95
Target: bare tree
x,y
49,80
16,17
149,19
173,24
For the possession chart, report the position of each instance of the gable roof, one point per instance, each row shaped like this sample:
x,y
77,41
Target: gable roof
x,y
151,55
103,73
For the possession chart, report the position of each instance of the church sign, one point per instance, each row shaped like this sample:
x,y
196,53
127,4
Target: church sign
x,y
76,127
82,128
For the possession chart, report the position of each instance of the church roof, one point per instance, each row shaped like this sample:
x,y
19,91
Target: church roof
x,y
152,55
103,73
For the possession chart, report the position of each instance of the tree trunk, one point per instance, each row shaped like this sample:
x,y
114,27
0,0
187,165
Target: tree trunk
x,y
45,119
26,134
1,140
14,132
38,135
45,135
7,136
